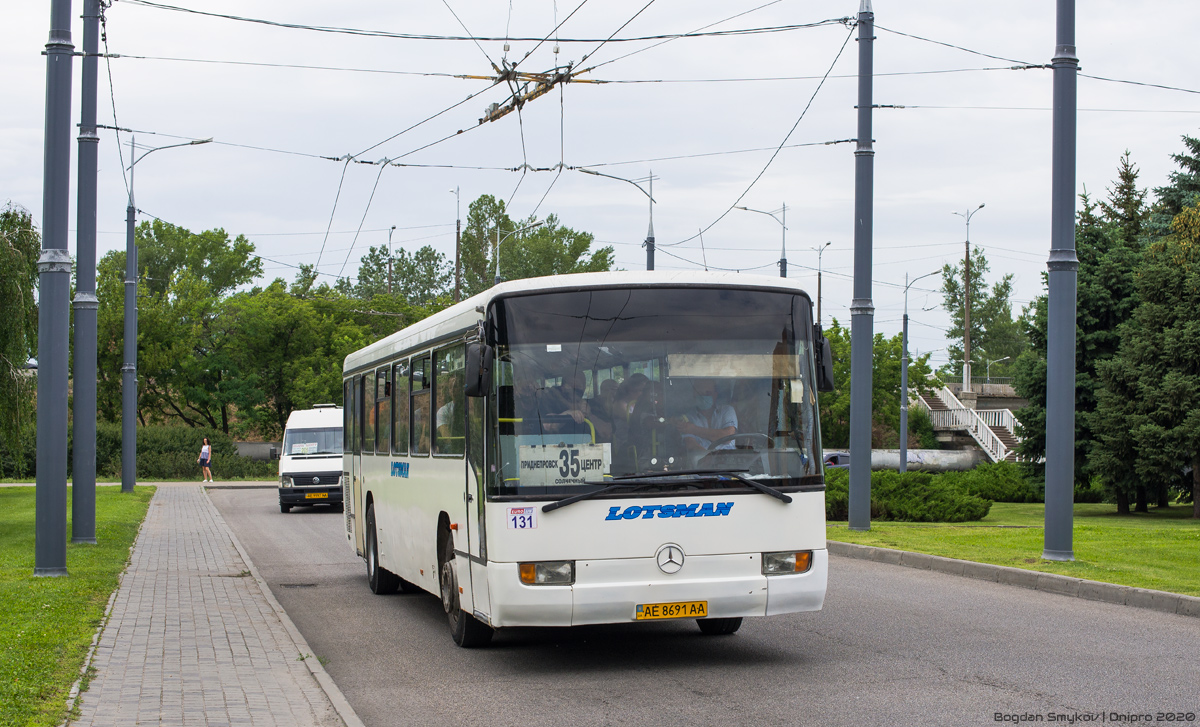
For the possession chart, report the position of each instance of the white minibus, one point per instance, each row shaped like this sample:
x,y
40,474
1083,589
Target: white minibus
x,y
595,448
310,466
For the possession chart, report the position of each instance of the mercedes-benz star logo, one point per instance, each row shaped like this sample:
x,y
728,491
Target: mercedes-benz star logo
x,y
669,558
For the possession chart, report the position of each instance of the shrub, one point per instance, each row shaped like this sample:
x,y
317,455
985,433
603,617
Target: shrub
x,y
998,482
908,496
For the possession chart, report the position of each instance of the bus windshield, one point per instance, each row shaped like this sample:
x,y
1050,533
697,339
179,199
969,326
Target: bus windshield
x,y
312,441
596,384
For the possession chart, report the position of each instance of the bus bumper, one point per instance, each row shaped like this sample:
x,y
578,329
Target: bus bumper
x,y
609,591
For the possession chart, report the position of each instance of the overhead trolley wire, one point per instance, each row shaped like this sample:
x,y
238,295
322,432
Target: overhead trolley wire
x,y
779,148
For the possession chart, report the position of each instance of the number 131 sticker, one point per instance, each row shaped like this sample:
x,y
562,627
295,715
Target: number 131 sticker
x,y
522,518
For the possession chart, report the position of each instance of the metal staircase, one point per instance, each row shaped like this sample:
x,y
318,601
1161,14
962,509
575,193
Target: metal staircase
x,y
994,430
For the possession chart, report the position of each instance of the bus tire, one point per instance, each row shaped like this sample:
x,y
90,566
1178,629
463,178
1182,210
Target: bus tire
x,y
466,630
718,626
285,508
381,580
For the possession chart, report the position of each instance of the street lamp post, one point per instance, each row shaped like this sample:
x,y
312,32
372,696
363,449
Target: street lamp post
x,y
820,251
783,224
650,194
967,300
457,245
507,235
129,368
390,231
904,374
989,367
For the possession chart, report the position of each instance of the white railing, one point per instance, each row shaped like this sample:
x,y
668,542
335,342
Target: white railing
x,y
999,418
957,416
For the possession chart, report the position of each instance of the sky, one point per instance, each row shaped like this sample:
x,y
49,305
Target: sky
x,y
706,115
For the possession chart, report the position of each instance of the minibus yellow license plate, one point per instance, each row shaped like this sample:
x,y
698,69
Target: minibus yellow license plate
x,y
681,609
316,496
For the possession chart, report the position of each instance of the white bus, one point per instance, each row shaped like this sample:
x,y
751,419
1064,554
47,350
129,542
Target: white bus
x,y
596,448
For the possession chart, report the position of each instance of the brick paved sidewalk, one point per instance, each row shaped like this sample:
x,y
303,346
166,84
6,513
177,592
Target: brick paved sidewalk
x,y
194,639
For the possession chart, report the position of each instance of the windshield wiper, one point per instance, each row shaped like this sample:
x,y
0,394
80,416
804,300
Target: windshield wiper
x,y
550,507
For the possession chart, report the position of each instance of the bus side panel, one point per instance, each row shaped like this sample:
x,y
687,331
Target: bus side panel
x,y
408,503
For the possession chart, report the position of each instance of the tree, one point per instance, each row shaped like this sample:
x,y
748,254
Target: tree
x,y
1184,186
550,249
1109,252
1148,419
994,333
185,372
885,389
20,245
419,277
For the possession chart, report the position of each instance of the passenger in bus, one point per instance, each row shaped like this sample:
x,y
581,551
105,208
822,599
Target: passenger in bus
x,y
708,421
449,417
574,405
751,402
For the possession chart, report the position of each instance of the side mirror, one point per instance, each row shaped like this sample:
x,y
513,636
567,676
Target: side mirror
x,y
824,354
479,369
273,453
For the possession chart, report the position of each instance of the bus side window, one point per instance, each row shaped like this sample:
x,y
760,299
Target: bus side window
x,y
368,415
420,406
400,408
358,408
449,401
347,416
383,400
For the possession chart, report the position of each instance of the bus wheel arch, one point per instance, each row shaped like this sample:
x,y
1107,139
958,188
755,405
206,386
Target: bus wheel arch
x,y
379,579
466,630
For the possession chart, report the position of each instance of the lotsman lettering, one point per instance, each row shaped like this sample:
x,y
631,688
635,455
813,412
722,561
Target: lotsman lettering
x,y
706,510
613,513
649,510
632,512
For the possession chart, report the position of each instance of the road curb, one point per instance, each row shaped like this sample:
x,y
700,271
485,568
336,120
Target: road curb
x,y
335,696
1035,580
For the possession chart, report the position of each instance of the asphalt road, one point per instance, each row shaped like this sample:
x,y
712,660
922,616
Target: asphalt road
x,y
893,646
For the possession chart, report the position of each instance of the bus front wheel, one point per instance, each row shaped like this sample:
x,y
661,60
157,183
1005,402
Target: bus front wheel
x,y
718,626
466,630
381,580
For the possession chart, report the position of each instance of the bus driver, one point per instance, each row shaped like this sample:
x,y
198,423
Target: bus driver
x,y
708,421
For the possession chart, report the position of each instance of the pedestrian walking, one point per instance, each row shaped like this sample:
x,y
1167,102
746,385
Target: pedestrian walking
x,y
205,460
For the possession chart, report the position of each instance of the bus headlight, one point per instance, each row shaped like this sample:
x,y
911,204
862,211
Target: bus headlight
x,y
789,562
548,573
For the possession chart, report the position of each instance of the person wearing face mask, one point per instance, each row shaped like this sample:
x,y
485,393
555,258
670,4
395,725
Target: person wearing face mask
x,y
707,422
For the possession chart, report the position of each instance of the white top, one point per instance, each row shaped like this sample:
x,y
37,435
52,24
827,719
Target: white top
x,y
720,418
205,452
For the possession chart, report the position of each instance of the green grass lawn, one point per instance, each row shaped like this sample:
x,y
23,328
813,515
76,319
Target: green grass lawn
x,y
48,623
1159,549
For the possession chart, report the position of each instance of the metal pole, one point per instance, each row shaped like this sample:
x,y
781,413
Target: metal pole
x,y
1063,266
390,231
904,384
650,231
129,368
862,310
457,246
967,311
497,255
83,453
820,254
54,290
783,245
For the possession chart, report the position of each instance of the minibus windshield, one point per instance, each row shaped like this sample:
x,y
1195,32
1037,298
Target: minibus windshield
x,y
596,384
297,442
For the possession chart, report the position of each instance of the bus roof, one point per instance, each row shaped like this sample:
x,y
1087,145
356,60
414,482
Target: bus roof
x,y
462,316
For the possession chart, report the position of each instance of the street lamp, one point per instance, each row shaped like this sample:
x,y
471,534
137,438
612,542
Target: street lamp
x,y
129,368
904,374
820,251
989,367
507,235
783,246
967,301
650,194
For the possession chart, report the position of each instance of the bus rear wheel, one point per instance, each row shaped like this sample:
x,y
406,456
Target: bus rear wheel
x,y
466,630
381,580
718,626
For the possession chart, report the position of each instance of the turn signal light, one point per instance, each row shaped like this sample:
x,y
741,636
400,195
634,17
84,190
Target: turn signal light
x,y
547,573
787,562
